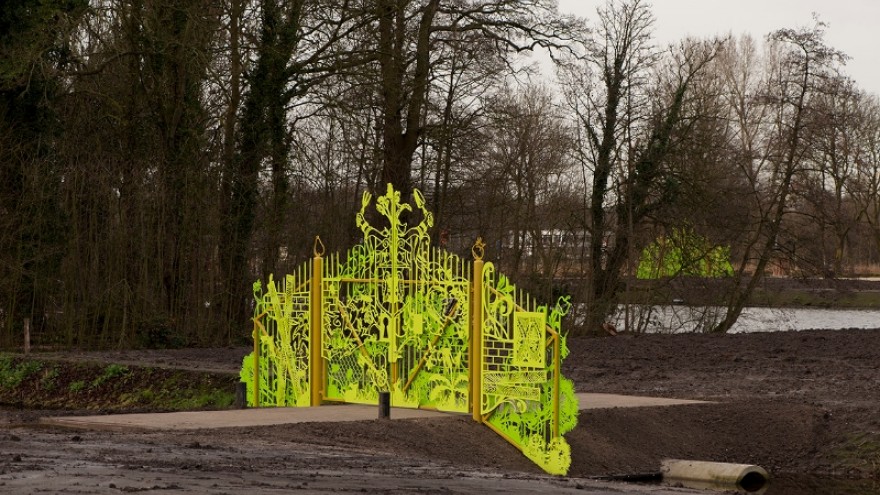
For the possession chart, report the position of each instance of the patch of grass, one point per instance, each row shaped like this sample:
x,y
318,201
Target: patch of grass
x,y
13,373
179,398
37,384
147,395
863,299
49,379
111,372
141,397
202,399
788,298
860,451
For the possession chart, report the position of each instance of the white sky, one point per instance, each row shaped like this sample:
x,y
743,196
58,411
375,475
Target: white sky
x,y
853,25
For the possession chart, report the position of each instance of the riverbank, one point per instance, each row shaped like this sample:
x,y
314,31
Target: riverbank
x,y
771,292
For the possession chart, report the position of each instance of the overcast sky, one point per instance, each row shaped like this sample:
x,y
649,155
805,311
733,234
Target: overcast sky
x,y
854,25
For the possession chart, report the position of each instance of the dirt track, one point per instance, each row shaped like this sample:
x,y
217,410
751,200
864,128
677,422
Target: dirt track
x,y
794,403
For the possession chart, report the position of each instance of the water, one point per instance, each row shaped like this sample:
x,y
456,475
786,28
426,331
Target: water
x,y
809,485
683,319
776,319
803,485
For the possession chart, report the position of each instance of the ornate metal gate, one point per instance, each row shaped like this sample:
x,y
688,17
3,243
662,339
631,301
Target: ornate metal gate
x,y
395,314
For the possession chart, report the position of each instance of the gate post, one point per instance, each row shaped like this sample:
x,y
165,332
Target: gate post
x,y
316,363
257,361
475,347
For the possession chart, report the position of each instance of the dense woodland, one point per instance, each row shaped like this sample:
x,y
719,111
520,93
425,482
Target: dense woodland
x,y
158,156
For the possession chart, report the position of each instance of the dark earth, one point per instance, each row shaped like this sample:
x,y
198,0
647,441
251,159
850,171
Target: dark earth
x,y
803,405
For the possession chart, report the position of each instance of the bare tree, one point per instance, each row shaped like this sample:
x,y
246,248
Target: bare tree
x,y
34,53
864,187
527,154
776,134
411,36
830,215
300,45
468,73
628,130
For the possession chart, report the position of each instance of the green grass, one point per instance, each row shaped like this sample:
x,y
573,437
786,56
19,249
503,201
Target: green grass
x,y
860,451
13,373
50,378
61,384
816,299
201,399
111,372
177,399
766,296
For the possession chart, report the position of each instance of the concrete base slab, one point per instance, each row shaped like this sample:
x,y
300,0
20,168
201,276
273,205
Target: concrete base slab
x,y
193,420
611,401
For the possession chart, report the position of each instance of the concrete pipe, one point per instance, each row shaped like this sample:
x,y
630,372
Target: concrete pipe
x,y
717,475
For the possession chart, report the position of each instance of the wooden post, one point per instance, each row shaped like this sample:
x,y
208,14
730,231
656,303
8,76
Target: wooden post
x,y
240,395
27,335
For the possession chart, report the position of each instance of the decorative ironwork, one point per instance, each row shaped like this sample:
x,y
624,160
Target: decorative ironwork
x,y
397,315
281,344
524,396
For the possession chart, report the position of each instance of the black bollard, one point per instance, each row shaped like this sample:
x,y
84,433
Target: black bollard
x,y
240,395
384,405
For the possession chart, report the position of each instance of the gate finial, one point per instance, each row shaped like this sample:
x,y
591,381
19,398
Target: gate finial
x,y
479,249
319,247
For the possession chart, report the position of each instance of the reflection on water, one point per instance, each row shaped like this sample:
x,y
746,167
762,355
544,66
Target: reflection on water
x,y
802,485
680,318
808,485
775,319
711,487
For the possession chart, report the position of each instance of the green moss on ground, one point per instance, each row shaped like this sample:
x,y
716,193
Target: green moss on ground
x,y
859,452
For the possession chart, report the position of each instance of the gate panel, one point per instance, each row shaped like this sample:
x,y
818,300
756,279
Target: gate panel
x,y
524,396
396,315
281,344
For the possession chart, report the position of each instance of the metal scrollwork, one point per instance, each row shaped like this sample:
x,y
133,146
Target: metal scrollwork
x,y
394,314
524,394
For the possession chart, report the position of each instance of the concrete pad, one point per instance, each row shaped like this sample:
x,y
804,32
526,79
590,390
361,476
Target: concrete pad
x,y
611,401
193,420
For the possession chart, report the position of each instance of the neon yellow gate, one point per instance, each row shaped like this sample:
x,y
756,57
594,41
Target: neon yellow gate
x,y
397,315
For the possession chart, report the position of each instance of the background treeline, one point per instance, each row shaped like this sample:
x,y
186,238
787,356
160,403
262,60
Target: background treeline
x,y
158,156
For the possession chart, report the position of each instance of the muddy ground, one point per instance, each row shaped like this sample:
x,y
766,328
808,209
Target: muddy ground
x,y
796,403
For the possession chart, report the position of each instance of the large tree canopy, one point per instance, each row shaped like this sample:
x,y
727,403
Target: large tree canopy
x,y
157,156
